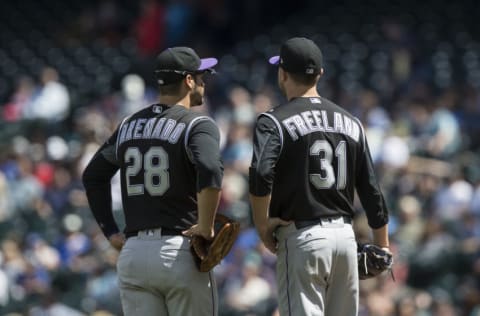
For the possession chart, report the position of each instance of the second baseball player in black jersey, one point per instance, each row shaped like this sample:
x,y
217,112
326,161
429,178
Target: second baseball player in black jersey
x,y
310,156
327,143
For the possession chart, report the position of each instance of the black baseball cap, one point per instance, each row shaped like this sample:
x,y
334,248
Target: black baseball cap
x,y
174,63
299,55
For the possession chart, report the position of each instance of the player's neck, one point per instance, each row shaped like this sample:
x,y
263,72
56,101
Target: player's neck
x,y
301,92
175,100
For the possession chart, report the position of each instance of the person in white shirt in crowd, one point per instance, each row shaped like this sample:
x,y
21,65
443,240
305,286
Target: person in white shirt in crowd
x,y
53,101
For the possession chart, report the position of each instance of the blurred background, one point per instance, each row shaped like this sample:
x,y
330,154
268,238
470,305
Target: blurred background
x,y
70,70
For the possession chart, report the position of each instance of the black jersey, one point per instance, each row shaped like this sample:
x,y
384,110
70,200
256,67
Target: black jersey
x,y
166,154
311,155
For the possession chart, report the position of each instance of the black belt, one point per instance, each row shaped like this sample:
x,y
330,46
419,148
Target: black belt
x,y
165,232
311,222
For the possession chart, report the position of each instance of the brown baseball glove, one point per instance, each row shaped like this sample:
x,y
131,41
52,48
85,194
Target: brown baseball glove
x,y
208,253
372,261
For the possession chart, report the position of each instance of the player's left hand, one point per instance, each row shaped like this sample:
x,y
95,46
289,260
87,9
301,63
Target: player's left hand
x,y
196,230
373,260
268,237
117,241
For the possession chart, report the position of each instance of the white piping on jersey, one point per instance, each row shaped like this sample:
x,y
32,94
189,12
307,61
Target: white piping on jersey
x,y
280,131
363,133
189,128
118,135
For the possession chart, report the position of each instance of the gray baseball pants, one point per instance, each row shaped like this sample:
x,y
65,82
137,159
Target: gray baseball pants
x,y
317,270
158,277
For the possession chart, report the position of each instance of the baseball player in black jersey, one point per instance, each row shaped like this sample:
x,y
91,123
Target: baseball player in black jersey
x,y
171,176
309,157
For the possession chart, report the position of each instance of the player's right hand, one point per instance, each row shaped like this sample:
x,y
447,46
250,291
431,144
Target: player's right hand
x,y
117,241
268,236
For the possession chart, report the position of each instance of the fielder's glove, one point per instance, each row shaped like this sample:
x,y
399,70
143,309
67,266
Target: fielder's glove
x,y
372,261
208,253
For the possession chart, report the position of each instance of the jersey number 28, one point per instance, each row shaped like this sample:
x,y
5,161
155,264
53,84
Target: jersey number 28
x,y
155,166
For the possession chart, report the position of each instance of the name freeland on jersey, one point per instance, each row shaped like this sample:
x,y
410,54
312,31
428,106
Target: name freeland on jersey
x,y
317,121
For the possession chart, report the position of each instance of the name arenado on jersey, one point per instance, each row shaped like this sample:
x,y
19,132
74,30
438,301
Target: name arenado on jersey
x,y
153,128
317,121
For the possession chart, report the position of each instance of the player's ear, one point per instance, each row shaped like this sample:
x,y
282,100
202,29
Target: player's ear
x,y
282,74
321,73
189,81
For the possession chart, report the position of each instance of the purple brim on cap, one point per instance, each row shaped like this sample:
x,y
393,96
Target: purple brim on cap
x,y
274,60
207,63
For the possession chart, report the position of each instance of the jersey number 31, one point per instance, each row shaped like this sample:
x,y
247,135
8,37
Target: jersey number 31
x,y
328,178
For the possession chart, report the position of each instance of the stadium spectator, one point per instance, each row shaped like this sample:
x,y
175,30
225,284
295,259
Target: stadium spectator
x,y
53,101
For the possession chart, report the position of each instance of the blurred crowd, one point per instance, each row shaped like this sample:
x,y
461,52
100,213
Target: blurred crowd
x,y
422,130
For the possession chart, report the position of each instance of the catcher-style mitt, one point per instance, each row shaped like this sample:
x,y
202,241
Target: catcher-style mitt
x,y
208,253
372,261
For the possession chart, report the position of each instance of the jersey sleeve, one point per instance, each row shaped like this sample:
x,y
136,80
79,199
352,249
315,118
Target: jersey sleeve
x,y
369,191
96,180
203,146
267,145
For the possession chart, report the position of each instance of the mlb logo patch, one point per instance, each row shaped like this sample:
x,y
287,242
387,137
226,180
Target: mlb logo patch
x,y
157,109
309,71
315,100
